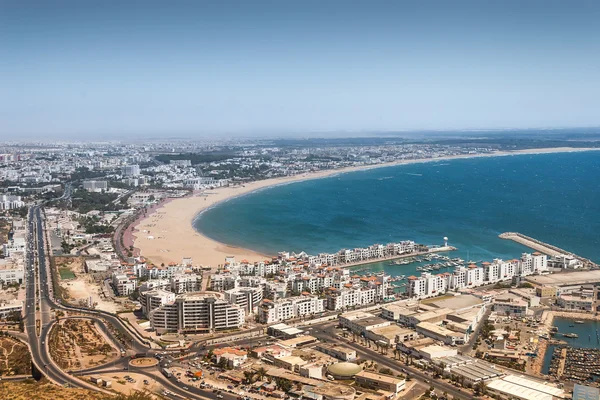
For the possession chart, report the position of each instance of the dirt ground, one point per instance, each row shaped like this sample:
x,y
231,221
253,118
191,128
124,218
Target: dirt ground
x,y
83,290
77,344
119,384
14,357
44,390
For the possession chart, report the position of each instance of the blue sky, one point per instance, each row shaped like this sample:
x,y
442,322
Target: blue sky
x,y
114,68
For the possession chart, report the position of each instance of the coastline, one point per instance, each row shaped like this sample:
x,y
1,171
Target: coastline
x,y
167,234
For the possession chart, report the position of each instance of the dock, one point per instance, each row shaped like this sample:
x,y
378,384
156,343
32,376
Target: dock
x,y
544,248
439,249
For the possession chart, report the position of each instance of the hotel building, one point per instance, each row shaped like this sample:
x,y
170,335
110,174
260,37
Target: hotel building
x,y
196,312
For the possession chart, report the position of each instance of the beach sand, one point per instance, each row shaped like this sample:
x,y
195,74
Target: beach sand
x,y
167,235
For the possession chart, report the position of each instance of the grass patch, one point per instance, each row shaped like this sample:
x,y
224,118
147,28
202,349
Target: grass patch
x,y
66,274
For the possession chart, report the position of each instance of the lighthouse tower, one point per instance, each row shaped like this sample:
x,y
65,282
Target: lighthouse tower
x,y
445,241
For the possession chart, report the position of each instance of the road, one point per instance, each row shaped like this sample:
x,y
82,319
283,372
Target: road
x,y
38,294
328,333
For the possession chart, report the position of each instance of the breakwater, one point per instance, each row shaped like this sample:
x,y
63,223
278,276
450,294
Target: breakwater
x,y
543,247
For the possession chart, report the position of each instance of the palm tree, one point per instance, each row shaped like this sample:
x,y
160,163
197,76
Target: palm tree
x,y
248,375
261,372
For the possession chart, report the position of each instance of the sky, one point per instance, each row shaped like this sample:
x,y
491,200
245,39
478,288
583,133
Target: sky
x,y
226,68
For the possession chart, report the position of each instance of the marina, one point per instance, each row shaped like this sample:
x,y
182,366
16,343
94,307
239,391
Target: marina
x,y
575,343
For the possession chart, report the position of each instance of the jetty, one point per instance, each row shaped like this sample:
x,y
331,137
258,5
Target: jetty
x,y
439,249
544,248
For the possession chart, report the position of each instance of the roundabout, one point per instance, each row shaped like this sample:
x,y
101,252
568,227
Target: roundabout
x,y
145,362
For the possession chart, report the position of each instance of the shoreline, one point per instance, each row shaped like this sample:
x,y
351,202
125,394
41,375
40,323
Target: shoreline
x,y
167,234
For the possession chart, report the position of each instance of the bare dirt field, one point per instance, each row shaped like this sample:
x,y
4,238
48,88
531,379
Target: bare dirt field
x,y
44,390
121,385
81,288
14,357
77,344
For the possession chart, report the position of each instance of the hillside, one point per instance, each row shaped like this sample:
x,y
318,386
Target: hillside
x,y
32,390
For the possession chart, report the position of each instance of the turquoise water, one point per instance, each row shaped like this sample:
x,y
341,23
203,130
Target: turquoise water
x,y
552,197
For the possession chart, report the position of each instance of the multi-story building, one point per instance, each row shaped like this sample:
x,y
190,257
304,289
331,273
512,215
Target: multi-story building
x,y
197,312
11,273
153,299
571,302
124,284
429,285
287,308
186,283
131,170
95,186
246,297
222,282
10,202
6,309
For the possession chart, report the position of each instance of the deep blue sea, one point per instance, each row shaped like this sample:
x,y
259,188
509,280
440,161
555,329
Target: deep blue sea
x,y
552,197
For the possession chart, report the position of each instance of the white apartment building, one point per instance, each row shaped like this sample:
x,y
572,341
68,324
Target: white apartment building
x,y
95,186
153,299
350,297
155,284
292,307
222,282
246,297
10,202
197,312
186,283
7,308
428,285
124,284
533,263
131,170
11,272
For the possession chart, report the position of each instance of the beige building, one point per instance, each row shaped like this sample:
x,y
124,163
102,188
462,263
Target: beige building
x,y
379,381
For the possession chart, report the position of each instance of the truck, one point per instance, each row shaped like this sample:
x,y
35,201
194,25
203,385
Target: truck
x,y
167,372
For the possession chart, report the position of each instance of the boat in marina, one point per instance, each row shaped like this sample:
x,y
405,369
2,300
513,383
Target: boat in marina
x,y
580,322
571,335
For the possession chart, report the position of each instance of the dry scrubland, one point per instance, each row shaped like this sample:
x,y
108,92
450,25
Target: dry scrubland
x,y
31,390
77,344
14,357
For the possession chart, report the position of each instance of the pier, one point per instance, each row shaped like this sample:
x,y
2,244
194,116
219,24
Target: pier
x,y
431,250
544,248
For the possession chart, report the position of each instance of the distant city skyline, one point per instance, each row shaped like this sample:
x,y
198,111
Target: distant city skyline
x,y
72,69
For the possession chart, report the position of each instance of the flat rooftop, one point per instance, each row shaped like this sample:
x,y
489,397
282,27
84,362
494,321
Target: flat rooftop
x,y
366,322
392,331
379,377
458,302
565,279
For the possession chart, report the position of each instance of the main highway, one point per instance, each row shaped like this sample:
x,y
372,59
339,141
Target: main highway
x,y
38,322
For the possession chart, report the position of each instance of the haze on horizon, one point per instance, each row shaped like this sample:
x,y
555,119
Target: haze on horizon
x,y
72,69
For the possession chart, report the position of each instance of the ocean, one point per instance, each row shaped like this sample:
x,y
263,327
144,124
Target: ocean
x,y
551,197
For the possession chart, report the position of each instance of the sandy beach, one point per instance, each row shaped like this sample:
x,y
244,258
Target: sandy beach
x,y
167,235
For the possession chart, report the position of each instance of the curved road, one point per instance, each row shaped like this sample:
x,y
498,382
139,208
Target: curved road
x,y
39,303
